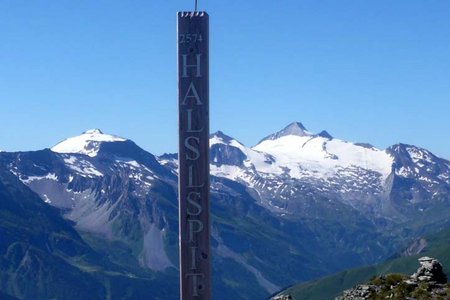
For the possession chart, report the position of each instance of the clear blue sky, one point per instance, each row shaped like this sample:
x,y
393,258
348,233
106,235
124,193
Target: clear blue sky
x,y
373,71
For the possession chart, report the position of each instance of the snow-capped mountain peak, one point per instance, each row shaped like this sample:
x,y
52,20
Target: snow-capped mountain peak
x,y
226,150
95,131
87,143
220,137
295,128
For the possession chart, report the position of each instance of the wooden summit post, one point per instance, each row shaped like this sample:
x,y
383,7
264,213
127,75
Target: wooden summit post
x,y
193,155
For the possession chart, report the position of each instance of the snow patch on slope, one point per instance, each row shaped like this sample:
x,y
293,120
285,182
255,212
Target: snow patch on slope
x,y
49,176
82,167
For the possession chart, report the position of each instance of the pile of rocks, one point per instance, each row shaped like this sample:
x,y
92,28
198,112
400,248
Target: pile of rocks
x,y
430,270
360,292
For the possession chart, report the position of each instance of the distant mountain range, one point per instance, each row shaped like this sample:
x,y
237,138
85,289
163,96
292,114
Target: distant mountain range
x,y
296,206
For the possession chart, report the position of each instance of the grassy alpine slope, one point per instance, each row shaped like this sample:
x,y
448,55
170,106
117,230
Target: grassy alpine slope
x,y
329,287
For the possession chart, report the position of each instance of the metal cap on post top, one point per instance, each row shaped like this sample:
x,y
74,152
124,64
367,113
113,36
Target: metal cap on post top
x,y
193,155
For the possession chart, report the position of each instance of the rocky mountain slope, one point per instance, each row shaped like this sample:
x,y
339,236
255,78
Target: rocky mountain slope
x,y
43,257
294,207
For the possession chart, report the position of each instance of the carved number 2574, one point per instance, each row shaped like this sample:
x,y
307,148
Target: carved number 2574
x,y
190,37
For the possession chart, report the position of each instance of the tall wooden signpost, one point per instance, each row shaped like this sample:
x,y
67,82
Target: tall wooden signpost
x,y
193,155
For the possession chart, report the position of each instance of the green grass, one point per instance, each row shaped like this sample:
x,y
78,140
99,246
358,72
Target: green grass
x,y
331,286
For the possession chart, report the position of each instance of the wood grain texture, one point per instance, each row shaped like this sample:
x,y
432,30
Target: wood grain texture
x,y
193,155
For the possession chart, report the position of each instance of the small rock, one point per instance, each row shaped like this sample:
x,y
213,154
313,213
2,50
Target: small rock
x,y
411,282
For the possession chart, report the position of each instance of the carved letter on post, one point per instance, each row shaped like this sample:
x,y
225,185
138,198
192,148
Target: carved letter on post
x,y
193,155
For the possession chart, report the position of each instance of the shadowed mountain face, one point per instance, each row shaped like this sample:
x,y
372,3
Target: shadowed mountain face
x,y
43,257
295,207
37,246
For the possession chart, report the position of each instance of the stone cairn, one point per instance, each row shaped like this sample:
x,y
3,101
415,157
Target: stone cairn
x,y
430,270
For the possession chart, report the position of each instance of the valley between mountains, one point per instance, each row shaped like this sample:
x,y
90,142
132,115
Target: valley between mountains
x,y
97,212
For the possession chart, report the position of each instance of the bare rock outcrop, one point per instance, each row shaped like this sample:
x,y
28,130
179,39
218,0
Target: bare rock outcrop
x,y
430,270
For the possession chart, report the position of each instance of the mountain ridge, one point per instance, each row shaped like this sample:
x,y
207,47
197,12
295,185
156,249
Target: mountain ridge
x,y
275,221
